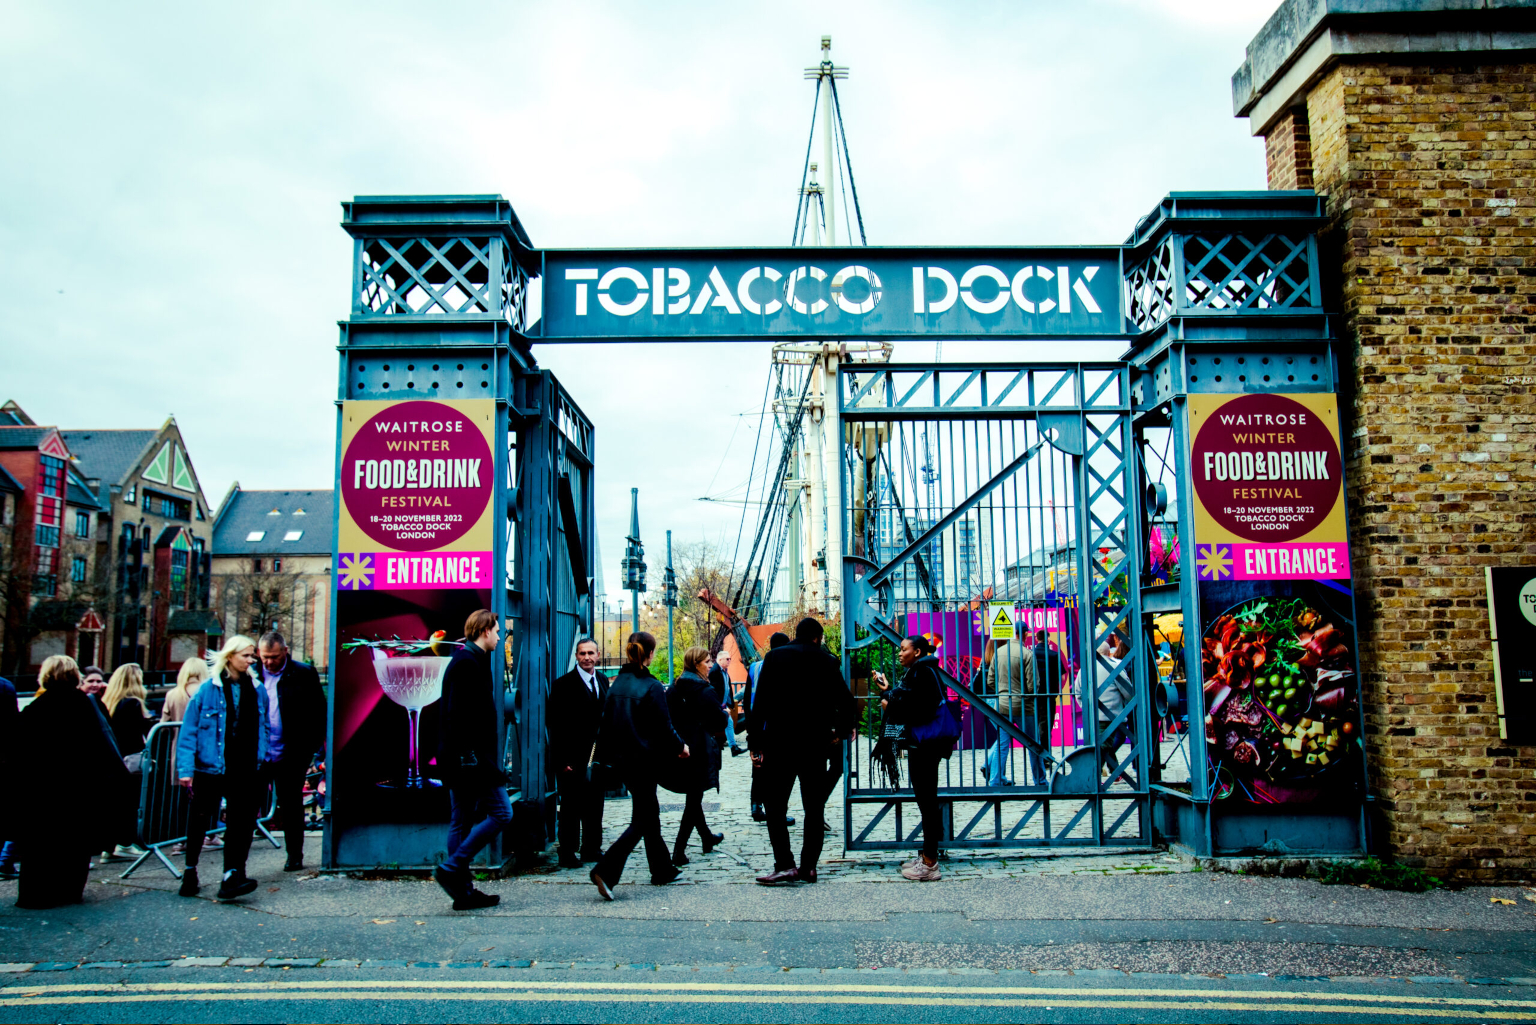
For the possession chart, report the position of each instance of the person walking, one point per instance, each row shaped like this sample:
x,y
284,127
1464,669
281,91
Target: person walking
x,y
192,675
130,720
698,718
295,733
188,678
637,741
720,680
914,703
219,752
573,712
777,640
74,774
469,757
800,714
9,711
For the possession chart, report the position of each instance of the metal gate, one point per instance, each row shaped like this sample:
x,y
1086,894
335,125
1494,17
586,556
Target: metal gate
x,y
986,488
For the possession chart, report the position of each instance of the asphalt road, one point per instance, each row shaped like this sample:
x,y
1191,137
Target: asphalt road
x,y
646,993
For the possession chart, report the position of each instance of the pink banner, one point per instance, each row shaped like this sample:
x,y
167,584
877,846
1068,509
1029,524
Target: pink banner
x,y
389,571
1290,561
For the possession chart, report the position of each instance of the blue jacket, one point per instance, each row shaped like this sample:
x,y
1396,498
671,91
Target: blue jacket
x,y
200,747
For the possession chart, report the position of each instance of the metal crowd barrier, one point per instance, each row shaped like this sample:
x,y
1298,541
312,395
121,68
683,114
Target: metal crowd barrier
x,y
165,806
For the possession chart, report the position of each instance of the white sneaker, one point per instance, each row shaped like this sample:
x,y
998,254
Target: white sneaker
x,y
922,872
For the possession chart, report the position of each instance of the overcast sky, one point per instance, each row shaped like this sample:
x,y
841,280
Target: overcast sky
x,y
170,176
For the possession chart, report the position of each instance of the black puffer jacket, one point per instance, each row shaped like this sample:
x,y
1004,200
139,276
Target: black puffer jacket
x,y
636,737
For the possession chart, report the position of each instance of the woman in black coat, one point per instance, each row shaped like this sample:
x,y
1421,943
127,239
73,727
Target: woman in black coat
x,y
911,703
637,742
75,774
697,716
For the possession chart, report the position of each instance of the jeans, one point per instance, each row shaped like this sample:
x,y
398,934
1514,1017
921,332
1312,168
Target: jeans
x,y
240,795
287,778
780,770
644,824
8,856
479,813
999,759
730,730
923,767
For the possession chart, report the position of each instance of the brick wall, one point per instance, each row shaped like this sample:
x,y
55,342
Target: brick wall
x,y
1288,152
1428,173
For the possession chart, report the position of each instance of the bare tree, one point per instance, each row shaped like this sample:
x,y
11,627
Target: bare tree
x,y
260,601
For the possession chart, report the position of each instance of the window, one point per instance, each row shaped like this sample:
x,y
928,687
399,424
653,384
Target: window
x,y
256,535
199,513
77,570
82,524
169,506
256,565
131,495
277,565
293,535
300,512
275,512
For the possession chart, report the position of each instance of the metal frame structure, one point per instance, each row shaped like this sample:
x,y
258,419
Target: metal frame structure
x,y
1212,292
439,291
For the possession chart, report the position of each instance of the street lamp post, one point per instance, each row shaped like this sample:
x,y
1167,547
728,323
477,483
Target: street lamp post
x,y
669,598
634,561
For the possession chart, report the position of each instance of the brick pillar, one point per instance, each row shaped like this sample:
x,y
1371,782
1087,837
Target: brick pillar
x,y
1427,160
1288,151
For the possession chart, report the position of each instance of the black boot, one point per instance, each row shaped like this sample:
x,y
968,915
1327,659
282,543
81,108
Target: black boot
x,y
714,841
758,815
189,882
679,855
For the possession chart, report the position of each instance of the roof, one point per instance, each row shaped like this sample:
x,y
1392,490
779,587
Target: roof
x,y
246,514
9,483
107,456
79,493
23,437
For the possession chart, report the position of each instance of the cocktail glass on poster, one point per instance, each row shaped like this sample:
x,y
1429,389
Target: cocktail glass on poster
x,y
410,673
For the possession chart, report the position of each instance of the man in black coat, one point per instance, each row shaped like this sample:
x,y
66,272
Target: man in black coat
x,y
801,712
469,759
573,713
296,731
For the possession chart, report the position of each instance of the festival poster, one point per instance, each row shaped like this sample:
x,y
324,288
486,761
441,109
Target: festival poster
x,y
414,557
1278,647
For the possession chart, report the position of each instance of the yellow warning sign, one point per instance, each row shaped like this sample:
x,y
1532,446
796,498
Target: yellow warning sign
x,y
1000,621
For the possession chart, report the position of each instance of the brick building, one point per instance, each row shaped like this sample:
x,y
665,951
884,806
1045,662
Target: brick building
x,y
49,519
1416,120
155,552
272,567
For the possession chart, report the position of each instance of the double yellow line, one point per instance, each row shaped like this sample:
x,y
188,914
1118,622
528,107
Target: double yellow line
x,y
1300,1004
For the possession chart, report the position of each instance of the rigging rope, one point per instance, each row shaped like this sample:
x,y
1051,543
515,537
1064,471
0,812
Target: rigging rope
x,y
837,108
751,470
778,478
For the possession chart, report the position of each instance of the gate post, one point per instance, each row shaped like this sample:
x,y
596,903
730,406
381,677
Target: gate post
x,y
432,349
1225,291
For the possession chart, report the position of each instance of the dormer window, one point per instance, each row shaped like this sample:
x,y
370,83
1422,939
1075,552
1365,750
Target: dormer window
x,y
293,535
256,535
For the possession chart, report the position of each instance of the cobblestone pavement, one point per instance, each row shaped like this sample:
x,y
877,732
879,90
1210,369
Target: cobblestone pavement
x,y
746,853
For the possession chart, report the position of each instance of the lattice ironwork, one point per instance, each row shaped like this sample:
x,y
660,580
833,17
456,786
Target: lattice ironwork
x,y
435,276
1149,287
1235,272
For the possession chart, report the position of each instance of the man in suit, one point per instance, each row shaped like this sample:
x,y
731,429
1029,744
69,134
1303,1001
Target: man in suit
x,y
296,730
573,712
802,711
720,680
